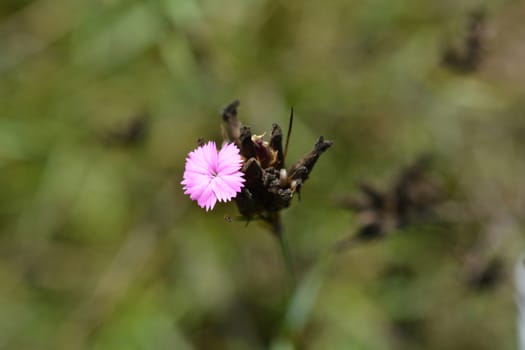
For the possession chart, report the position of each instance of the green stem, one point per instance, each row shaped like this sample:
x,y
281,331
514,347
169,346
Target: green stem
x,y
285,251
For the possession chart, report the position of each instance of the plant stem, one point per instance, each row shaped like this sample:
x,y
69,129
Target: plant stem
x,y
285,251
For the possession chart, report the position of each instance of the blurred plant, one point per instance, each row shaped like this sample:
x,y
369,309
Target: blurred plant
x,y
411,199
482,275
466,59
484,266
130,133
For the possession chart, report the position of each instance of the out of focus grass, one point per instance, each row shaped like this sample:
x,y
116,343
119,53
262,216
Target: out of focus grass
x,y
100,249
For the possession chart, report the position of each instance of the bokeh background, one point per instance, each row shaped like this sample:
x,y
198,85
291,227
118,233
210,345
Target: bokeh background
x,y
101,100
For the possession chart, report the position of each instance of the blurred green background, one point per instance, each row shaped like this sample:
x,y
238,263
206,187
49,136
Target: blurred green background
x,y
100,249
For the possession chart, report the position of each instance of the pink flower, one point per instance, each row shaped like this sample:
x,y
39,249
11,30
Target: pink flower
x,y
211,175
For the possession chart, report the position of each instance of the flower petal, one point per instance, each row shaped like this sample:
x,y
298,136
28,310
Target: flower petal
x,y
229,159
225,190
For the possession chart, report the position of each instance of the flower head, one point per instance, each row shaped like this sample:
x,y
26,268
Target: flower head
x,y
270,186
211,175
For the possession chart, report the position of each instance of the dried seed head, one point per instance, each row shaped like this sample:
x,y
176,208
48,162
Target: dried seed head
x,y
269,187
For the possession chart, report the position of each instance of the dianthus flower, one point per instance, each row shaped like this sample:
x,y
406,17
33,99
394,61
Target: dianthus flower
x,y
211,175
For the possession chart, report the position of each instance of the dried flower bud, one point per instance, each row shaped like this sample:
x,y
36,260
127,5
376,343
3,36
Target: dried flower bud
x,y
269,187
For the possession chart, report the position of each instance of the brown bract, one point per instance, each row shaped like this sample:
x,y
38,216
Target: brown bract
x,y
269,186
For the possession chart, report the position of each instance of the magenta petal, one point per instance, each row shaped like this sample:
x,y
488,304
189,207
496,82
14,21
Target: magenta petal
x,y
222,190
229,159
204,197
197,190
235,181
